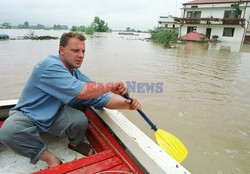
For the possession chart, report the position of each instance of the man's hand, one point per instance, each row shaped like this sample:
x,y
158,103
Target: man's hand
x,y
133,104
117,102
119,88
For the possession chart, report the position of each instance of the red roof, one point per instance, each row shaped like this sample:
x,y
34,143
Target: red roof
x,y
212,1
192,36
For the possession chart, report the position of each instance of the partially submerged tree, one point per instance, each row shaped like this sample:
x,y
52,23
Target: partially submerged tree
x,y
100,25
90,30
78,28
166,37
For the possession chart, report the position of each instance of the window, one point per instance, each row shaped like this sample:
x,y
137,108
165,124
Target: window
x,y
231,14
194,14
195,6
190,29
228,32
166,25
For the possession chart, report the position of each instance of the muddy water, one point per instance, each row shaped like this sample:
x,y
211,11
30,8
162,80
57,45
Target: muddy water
x,y
205,99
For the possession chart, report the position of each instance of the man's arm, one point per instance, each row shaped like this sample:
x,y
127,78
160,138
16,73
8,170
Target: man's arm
x,y
93,90
117,102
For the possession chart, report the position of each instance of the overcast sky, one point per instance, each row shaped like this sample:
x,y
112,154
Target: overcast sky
x,y
119,14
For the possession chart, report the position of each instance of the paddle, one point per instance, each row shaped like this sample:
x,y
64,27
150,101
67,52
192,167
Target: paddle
x,y
171,144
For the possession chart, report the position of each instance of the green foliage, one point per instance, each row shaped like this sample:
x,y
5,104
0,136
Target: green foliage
x,y
60,27
130,29
236,6
78,28
90,30
164,36
81,28
74,28
26,24
100,25
6,25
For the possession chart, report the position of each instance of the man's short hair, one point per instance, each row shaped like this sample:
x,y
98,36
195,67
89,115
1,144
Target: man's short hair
x,y
66,36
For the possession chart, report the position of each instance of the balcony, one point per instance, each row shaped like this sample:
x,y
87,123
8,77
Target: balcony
x,y
234,21
224,21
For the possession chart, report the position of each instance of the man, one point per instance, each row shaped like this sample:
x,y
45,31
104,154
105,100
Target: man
x,y
45,104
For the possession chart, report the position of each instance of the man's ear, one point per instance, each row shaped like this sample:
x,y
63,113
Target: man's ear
x,y
61,51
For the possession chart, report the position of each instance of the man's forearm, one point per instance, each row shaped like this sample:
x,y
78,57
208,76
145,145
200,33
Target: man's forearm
x,y
92,90
117,102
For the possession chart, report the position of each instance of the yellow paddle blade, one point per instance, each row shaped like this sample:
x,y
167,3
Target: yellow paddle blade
x,y
171,144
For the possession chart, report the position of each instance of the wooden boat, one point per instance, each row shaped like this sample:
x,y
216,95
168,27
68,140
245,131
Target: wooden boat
x,y
121,148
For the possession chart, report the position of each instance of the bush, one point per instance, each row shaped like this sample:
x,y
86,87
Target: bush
x,y
164,36
74,28
78,28
90,30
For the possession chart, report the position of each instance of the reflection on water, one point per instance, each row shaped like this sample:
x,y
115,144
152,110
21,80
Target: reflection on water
x,y
205,100
222,47
245,48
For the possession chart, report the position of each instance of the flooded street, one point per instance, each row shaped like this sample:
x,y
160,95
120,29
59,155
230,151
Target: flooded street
x,y
205,99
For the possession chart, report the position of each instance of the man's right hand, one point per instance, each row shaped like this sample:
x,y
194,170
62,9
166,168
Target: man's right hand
x,y
119,88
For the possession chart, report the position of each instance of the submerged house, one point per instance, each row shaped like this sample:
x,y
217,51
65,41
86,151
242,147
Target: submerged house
x,y
168,22
216,19
194,36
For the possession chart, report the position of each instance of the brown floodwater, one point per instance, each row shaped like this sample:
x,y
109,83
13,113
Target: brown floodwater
x,y
206,90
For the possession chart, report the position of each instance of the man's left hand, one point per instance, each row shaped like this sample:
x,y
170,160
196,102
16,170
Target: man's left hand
x,y
133,104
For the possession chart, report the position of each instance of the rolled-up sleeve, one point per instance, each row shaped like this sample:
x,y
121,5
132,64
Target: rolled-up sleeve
x,y
58,82
98,102
102,101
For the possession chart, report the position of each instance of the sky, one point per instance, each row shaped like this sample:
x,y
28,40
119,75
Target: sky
x,y
119,14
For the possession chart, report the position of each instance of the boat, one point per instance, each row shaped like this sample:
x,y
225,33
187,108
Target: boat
x,y
128,33
4,37
120,146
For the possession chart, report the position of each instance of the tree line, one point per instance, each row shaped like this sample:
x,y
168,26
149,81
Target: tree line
x,y
26,25
98,25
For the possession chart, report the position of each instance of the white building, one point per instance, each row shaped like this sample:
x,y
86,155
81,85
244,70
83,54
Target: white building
x,y
215,17
168,22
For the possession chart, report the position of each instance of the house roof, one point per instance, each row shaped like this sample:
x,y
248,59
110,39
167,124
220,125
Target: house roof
x,y
212,1
192,36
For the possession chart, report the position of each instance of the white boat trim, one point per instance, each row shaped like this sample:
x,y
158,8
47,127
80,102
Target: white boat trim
x,y
8,102
145,150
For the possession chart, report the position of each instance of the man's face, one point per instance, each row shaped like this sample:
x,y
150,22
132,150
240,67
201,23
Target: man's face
x,y
72,54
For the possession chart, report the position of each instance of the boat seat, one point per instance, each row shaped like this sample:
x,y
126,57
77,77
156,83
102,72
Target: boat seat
x,y
97,163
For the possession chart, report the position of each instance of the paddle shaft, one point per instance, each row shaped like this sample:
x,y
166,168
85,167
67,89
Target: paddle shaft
x,y
153,126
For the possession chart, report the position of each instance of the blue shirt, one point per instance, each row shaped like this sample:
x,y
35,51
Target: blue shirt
x,y
50,86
